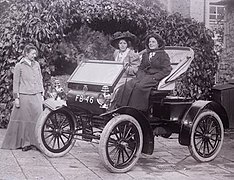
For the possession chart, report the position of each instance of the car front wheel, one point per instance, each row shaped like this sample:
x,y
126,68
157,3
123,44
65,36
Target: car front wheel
x,y
121,143
54,132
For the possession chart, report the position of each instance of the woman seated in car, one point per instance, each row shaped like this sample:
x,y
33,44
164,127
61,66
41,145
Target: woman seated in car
x,y
123,43
124,53
154,67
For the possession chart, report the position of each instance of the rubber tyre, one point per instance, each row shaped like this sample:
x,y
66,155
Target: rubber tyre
x,y
129,127
40,134
206,136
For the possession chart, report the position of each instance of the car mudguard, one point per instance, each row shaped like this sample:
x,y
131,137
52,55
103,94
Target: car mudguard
x,y
53,104
191,115
148,137
56,105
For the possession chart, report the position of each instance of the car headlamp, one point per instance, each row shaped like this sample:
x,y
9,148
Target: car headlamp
x,y
101,99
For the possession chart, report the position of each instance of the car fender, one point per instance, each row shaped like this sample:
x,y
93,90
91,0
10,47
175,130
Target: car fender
x,y
50,107
191,115
53,104
148,137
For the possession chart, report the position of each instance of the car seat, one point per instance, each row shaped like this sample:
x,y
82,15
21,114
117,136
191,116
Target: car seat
x,y
180,58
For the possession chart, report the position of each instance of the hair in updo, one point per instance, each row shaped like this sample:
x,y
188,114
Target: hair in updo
x,y
28,48
161,42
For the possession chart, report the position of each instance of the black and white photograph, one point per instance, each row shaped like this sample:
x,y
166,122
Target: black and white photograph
x,y
116,89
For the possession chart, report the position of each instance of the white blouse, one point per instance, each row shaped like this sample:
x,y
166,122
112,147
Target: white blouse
x,y
121,55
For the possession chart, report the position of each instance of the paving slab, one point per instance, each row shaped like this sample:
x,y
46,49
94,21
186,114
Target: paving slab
x,y
169,161
77,173
106,175
11,171
40,172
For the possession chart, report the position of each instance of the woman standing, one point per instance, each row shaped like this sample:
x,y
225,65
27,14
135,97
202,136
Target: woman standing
x,y
28,93
122,42
155,66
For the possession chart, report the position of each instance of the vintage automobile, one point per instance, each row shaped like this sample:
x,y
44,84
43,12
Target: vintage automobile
x,y
124,133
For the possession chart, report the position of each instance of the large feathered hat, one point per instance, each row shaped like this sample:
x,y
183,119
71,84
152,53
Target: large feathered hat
x,y
129,37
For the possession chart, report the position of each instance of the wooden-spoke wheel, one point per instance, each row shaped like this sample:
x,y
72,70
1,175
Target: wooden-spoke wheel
x,y
206,137
55,132
121,143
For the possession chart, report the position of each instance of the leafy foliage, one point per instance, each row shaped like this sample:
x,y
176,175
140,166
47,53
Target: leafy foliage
x,y
123,15
88,44
42,23
69,30
179,31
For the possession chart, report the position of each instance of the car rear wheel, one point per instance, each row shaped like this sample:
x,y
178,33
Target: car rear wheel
x,y
54,132
206,136
121,143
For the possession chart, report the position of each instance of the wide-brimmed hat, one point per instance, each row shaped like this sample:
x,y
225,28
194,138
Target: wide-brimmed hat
x,y
122,35
161,42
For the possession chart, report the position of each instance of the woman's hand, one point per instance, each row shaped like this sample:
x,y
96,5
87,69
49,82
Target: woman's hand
x,y
126,66
42,98
17,103
151,71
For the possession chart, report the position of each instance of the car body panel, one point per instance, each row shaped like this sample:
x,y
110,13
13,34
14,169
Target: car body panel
x,y
54,104
87,101
193,112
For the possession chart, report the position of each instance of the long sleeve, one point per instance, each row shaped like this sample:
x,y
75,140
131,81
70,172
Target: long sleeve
x,y
16,80
115,54
27,79
144,65
163,67
158,66
145,62
41,79
134,62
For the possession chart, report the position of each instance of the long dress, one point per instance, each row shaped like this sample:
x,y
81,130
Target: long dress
x,y
21,128
27,83
135,93
130,59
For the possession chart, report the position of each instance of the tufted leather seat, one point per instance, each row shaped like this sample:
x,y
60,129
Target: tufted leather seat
x,y
181,58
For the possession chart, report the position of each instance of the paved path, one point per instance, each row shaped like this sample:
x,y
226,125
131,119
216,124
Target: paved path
x,y
170,161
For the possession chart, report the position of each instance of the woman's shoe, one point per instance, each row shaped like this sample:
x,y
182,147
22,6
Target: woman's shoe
x,y
35,148
26,148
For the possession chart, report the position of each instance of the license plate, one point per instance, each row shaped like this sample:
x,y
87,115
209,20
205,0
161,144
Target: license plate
x,y
84,98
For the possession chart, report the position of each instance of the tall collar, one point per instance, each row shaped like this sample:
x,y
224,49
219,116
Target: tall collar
x,y
28,62
121,55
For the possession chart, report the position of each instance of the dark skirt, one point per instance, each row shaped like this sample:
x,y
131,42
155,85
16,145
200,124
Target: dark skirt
x,y
135,93
21,127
